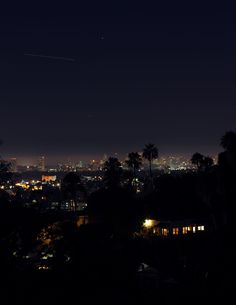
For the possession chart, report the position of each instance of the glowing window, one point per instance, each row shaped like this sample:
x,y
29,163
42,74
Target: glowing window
x,y
185,230
194,229
200,228
175,231
165,232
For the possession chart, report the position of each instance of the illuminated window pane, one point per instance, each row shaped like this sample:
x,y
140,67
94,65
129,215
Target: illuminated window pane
x,y
185,230
175,231
194,229
164,232
200,228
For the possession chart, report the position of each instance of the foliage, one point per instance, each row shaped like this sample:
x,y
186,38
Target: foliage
x,y
115,208
112,172
72,188
228,141
134,161
202,162
150,152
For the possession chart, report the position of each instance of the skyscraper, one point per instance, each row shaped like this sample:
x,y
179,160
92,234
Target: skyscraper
x,y
41,164
13,162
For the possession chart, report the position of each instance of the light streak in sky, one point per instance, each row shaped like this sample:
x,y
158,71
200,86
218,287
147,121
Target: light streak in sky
x,y
49,57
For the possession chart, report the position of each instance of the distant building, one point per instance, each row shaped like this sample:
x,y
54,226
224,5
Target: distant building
x,y
46,178
13,162
172,228
41,164
80,165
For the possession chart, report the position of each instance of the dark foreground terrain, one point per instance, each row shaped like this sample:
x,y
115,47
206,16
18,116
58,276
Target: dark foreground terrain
x,y
112,271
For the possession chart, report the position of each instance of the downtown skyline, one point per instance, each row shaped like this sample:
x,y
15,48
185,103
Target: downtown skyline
x,y
86,159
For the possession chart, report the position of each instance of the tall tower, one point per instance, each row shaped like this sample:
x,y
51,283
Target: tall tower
x,y
41,164
13,162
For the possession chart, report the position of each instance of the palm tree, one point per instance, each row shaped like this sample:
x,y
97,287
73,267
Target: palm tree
x,y
150,153
227,166
5,168
207,162
228,141
227,159
71,187
197,159
113,172
134,161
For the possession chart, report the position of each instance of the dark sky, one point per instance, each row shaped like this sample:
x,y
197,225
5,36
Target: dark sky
x,y
140,72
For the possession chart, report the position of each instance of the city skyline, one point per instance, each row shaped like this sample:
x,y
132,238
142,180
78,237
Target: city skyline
x,y
8,153
55,161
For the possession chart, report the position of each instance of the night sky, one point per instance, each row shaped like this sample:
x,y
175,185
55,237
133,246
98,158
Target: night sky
x,y
110,78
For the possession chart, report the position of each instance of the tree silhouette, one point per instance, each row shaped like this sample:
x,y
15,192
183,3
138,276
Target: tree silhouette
x,y
134,162
227,170
116,208
112,172
197,159
4,169
207,162
71,187
202,162
150,153
228,141
227,159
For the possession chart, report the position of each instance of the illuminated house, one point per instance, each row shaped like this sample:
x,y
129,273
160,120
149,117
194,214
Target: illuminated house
x,y
172,228
176,208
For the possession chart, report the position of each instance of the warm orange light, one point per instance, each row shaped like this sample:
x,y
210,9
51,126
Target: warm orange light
x,y
175,231
165,231
47,178
148,223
